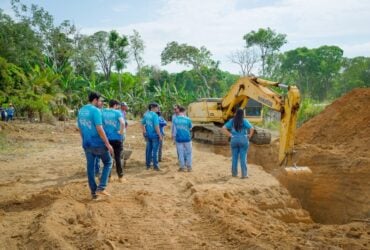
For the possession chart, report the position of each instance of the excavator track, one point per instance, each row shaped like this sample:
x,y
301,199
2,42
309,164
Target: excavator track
x,y
211,134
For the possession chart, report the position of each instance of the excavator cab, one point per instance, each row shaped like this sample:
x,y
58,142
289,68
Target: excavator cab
x,y
253,111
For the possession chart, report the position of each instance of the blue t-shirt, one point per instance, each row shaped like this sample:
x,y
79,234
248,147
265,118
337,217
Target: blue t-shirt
x,y
246,125
89,117
150,121
111,124
10,111
162,124
182,126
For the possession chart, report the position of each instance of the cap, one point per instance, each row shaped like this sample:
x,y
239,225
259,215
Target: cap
x,y
124,104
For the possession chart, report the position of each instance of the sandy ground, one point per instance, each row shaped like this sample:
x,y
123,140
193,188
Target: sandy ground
x,y
45,201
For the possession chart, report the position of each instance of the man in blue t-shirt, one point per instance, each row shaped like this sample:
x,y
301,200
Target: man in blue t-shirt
x,y
95,144
114,127
150,126
182,134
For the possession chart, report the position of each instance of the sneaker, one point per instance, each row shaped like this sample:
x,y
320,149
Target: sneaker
x,y
96,198
157,169
189,169
234,176
147,167
244,177
102,193
181,170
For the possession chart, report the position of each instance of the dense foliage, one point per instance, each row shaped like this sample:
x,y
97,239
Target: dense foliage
x,y
47,69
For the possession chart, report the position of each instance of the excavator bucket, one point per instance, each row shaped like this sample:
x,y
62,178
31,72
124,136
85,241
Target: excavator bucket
x,y
296,170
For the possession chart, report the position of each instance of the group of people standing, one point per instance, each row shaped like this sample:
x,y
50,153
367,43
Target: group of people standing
x,y
7,114
103,133
153,131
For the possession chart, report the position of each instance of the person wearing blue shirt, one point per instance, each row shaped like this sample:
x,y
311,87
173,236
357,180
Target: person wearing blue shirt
x,y
152,134
239,142
182,126
114,127
3,113
162,124
95,144
97,160
10,112
175,114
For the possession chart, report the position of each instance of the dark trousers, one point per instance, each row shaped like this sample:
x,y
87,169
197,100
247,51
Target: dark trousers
x,y
160,145
118,148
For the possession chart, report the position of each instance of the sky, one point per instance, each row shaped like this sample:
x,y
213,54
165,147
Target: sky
x,y
219,25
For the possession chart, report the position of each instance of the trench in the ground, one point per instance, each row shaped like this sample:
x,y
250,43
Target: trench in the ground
x,y
320,197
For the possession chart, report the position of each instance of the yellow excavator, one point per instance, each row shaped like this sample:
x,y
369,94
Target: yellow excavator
x,y
209,114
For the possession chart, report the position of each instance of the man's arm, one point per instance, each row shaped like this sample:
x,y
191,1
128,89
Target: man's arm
x,y
122,126
102,135
158,132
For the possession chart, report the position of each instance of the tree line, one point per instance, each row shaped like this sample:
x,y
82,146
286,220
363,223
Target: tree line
x,y
47,69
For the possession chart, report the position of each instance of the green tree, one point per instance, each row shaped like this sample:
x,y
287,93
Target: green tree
x,y
57,44
267,40
83,56
109,50
187,55
355,74
12,78
19,44
314,70
137,50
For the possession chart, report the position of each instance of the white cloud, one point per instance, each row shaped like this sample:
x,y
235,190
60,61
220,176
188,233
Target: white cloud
x,y
220,25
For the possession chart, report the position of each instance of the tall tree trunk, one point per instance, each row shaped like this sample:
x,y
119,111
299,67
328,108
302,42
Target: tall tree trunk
x,y
120,84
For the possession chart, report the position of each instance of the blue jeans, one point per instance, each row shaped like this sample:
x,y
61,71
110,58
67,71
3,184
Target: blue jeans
x,y
160,146
93,155
184,150
239,148
97,166
151,152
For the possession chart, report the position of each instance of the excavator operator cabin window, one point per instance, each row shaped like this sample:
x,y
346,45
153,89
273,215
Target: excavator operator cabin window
x,y
253,108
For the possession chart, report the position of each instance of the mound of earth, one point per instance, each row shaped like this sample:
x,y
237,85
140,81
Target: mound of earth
x,y
344,125
336,146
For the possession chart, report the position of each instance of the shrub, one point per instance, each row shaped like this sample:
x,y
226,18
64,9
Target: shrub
x,y
308,109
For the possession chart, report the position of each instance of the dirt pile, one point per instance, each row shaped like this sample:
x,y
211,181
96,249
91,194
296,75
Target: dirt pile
x,y
336,146
343,125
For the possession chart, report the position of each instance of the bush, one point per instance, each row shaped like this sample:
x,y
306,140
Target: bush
x,y
308,109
